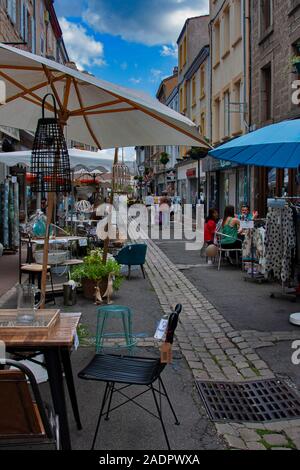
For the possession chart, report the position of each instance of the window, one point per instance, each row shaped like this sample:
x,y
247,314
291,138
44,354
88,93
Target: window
x,y
217,43
227,114
237,19
24,20
181,99
237,107
184,97
226,31
184,51
202,124
266,98
216,128
42,13
12,10
271,178
202,81
296,52
33,37
180,57
266,15
194,90
42,44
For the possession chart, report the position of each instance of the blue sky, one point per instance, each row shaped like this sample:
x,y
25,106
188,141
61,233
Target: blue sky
x,y
132,43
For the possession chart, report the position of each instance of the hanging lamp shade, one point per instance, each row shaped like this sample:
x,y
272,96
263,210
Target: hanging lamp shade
x,y
50,163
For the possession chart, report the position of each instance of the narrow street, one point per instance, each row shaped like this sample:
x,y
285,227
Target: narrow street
x,y
221,337
224,343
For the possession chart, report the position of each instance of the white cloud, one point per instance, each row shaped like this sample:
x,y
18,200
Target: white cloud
x,y
82,48
150,22
124,66
155,75
169,50
135,80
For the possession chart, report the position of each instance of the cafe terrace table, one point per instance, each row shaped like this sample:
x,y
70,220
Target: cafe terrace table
x,y
56,347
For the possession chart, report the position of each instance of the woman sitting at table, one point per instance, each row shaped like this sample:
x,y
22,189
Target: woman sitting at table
x,y
230,230
210,226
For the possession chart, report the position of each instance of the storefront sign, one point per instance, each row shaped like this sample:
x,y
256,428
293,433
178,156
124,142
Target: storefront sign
x,y
213,164
191,173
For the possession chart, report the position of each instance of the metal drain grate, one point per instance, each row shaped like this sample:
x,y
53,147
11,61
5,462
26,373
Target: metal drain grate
x,y
265,400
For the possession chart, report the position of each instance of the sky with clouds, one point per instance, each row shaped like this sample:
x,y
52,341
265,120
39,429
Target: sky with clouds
x,y
128,42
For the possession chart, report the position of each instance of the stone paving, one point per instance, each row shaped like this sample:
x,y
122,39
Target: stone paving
x,y
214,350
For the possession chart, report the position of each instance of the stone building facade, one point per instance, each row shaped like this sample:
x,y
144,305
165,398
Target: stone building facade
x,y
275,39
228,184
31,25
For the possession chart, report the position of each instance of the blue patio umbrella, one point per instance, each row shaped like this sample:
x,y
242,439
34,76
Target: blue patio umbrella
x,y
275,146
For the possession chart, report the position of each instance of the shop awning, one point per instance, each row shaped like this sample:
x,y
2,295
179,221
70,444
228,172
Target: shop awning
x,y
275,146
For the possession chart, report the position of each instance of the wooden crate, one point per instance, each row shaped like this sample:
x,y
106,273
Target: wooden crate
x,y
10,326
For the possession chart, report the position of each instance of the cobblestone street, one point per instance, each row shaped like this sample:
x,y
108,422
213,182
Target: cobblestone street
x,y
215,350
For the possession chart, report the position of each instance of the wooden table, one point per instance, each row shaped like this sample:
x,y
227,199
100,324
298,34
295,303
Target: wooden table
x,y
56,347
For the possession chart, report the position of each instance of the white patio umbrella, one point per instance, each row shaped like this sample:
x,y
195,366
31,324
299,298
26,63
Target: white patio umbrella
x,y
77,157
96,112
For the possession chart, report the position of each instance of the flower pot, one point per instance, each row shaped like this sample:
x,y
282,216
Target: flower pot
x,y
88,286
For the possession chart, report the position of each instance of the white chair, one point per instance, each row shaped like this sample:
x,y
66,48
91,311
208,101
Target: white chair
x,y
222,249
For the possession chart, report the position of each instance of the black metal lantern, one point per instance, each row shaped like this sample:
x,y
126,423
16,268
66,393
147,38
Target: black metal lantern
x,y
50,163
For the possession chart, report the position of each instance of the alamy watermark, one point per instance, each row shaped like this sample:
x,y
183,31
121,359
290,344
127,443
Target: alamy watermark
x,y
296,93
296,354
2,352
139,222
2,92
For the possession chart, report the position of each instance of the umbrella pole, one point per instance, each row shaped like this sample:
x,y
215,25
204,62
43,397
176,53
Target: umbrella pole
x,y
50,210
111,201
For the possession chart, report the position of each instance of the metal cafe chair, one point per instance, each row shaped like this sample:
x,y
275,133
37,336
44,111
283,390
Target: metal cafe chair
x,y
223,250
25,422
126,371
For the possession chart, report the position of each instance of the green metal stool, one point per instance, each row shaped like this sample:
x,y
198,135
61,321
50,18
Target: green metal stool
x,y
107,312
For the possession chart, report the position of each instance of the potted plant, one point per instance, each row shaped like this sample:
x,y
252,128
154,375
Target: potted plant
x,y
93,273
164,158
295,60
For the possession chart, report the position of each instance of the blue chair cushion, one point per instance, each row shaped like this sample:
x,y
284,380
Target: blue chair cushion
x,y
131,255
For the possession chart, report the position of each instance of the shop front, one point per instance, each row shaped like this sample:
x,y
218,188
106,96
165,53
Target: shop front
x,y
226,184
187,181
272,182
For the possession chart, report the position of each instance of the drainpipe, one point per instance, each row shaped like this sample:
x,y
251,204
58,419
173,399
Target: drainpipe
x,y
210,80
34,23
246,43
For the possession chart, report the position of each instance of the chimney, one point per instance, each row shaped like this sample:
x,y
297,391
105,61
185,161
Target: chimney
x,y
71,65
175,70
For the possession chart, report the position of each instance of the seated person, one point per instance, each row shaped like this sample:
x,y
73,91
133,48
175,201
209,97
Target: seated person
x,y
210,226
245,213
230,230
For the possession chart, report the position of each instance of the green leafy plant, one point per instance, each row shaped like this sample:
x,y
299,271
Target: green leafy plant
x,y
196,153
94,269
295,59
164,158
